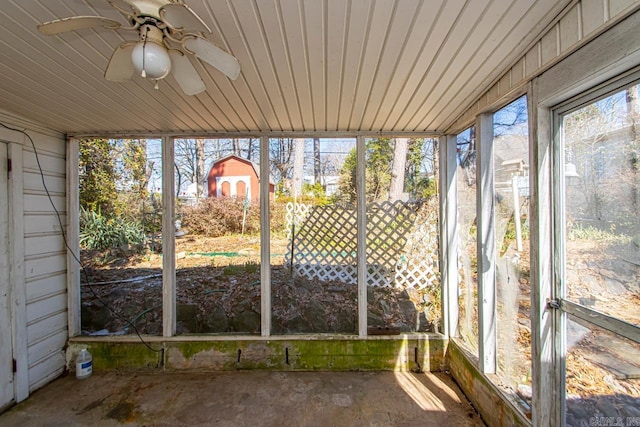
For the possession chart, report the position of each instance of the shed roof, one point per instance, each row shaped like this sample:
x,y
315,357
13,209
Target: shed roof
x,y
255,166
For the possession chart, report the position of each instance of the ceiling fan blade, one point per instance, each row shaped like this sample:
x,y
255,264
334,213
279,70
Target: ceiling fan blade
x,y
120,68
77,23
215,56
185,73
182,17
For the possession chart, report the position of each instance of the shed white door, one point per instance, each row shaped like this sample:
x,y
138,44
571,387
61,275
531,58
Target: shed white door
x,y
6,347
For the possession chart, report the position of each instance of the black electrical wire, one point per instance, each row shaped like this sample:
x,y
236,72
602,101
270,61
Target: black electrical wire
x,y
66,243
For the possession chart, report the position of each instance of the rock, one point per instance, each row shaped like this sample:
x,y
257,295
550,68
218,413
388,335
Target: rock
x,y
374,320
630,411
216,320
576,408
94,317
246,321
345,322
385,307
614,287
296,324
423,324
317,317
407,310
606,407
413,294
186,312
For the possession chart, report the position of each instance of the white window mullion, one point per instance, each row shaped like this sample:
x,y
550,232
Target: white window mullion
x,y
168,240
265,239
361,233
73,237
487,313
448,232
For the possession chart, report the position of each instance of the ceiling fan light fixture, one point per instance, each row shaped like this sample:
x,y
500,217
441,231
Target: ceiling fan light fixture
x,y
151,60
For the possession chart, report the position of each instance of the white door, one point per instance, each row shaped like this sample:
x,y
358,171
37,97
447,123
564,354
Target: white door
x,y
7,394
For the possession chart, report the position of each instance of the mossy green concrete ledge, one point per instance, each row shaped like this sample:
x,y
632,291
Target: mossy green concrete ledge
x,y
415,352
495,407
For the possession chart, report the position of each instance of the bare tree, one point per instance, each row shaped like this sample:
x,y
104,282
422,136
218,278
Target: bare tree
x,y
280,155
316,161
200,172
398,168
185,161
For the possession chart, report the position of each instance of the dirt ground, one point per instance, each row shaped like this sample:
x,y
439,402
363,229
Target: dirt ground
x,y
218,291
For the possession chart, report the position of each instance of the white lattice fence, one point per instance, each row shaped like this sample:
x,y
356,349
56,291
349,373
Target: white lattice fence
x,y
417,267
402,244
388,225
324,244
295,215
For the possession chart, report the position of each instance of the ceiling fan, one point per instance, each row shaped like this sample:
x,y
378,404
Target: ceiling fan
x,y
169,31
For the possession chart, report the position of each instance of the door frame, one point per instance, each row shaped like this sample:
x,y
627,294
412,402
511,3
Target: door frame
x,y
7,376
559,304
16,141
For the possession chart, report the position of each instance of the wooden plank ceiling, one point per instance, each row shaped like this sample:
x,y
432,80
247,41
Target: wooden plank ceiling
x,y
307,65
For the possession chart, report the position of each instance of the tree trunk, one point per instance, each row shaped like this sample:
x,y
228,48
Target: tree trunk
x,y
178,179
236,147
397,171
298,167
317,176
632,108
200,173
250,149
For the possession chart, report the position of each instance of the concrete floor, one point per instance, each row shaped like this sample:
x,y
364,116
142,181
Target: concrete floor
x,y
246,398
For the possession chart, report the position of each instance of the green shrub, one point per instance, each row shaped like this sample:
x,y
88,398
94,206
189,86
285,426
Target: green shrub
x,y
99,232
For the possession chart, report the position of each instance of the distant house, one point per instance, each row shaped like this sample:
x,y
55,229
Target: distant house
x,y
233,176
330,183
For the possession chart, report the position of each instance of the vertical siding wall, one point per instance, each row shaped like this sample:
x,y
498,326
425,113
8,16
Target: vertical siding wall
x,y
42,283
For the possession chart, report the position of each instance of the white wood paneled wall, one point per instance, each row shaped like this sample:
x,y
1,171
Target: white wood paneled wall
x,y
38,253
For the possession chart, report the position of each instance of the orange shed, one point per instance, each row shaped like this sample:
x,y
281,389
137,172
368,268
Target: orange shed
x,y
233,176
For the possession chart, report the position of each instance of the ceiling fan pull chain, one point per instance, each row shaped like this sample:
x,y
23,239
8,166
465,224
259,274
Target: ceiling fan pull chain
x,y
143,74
